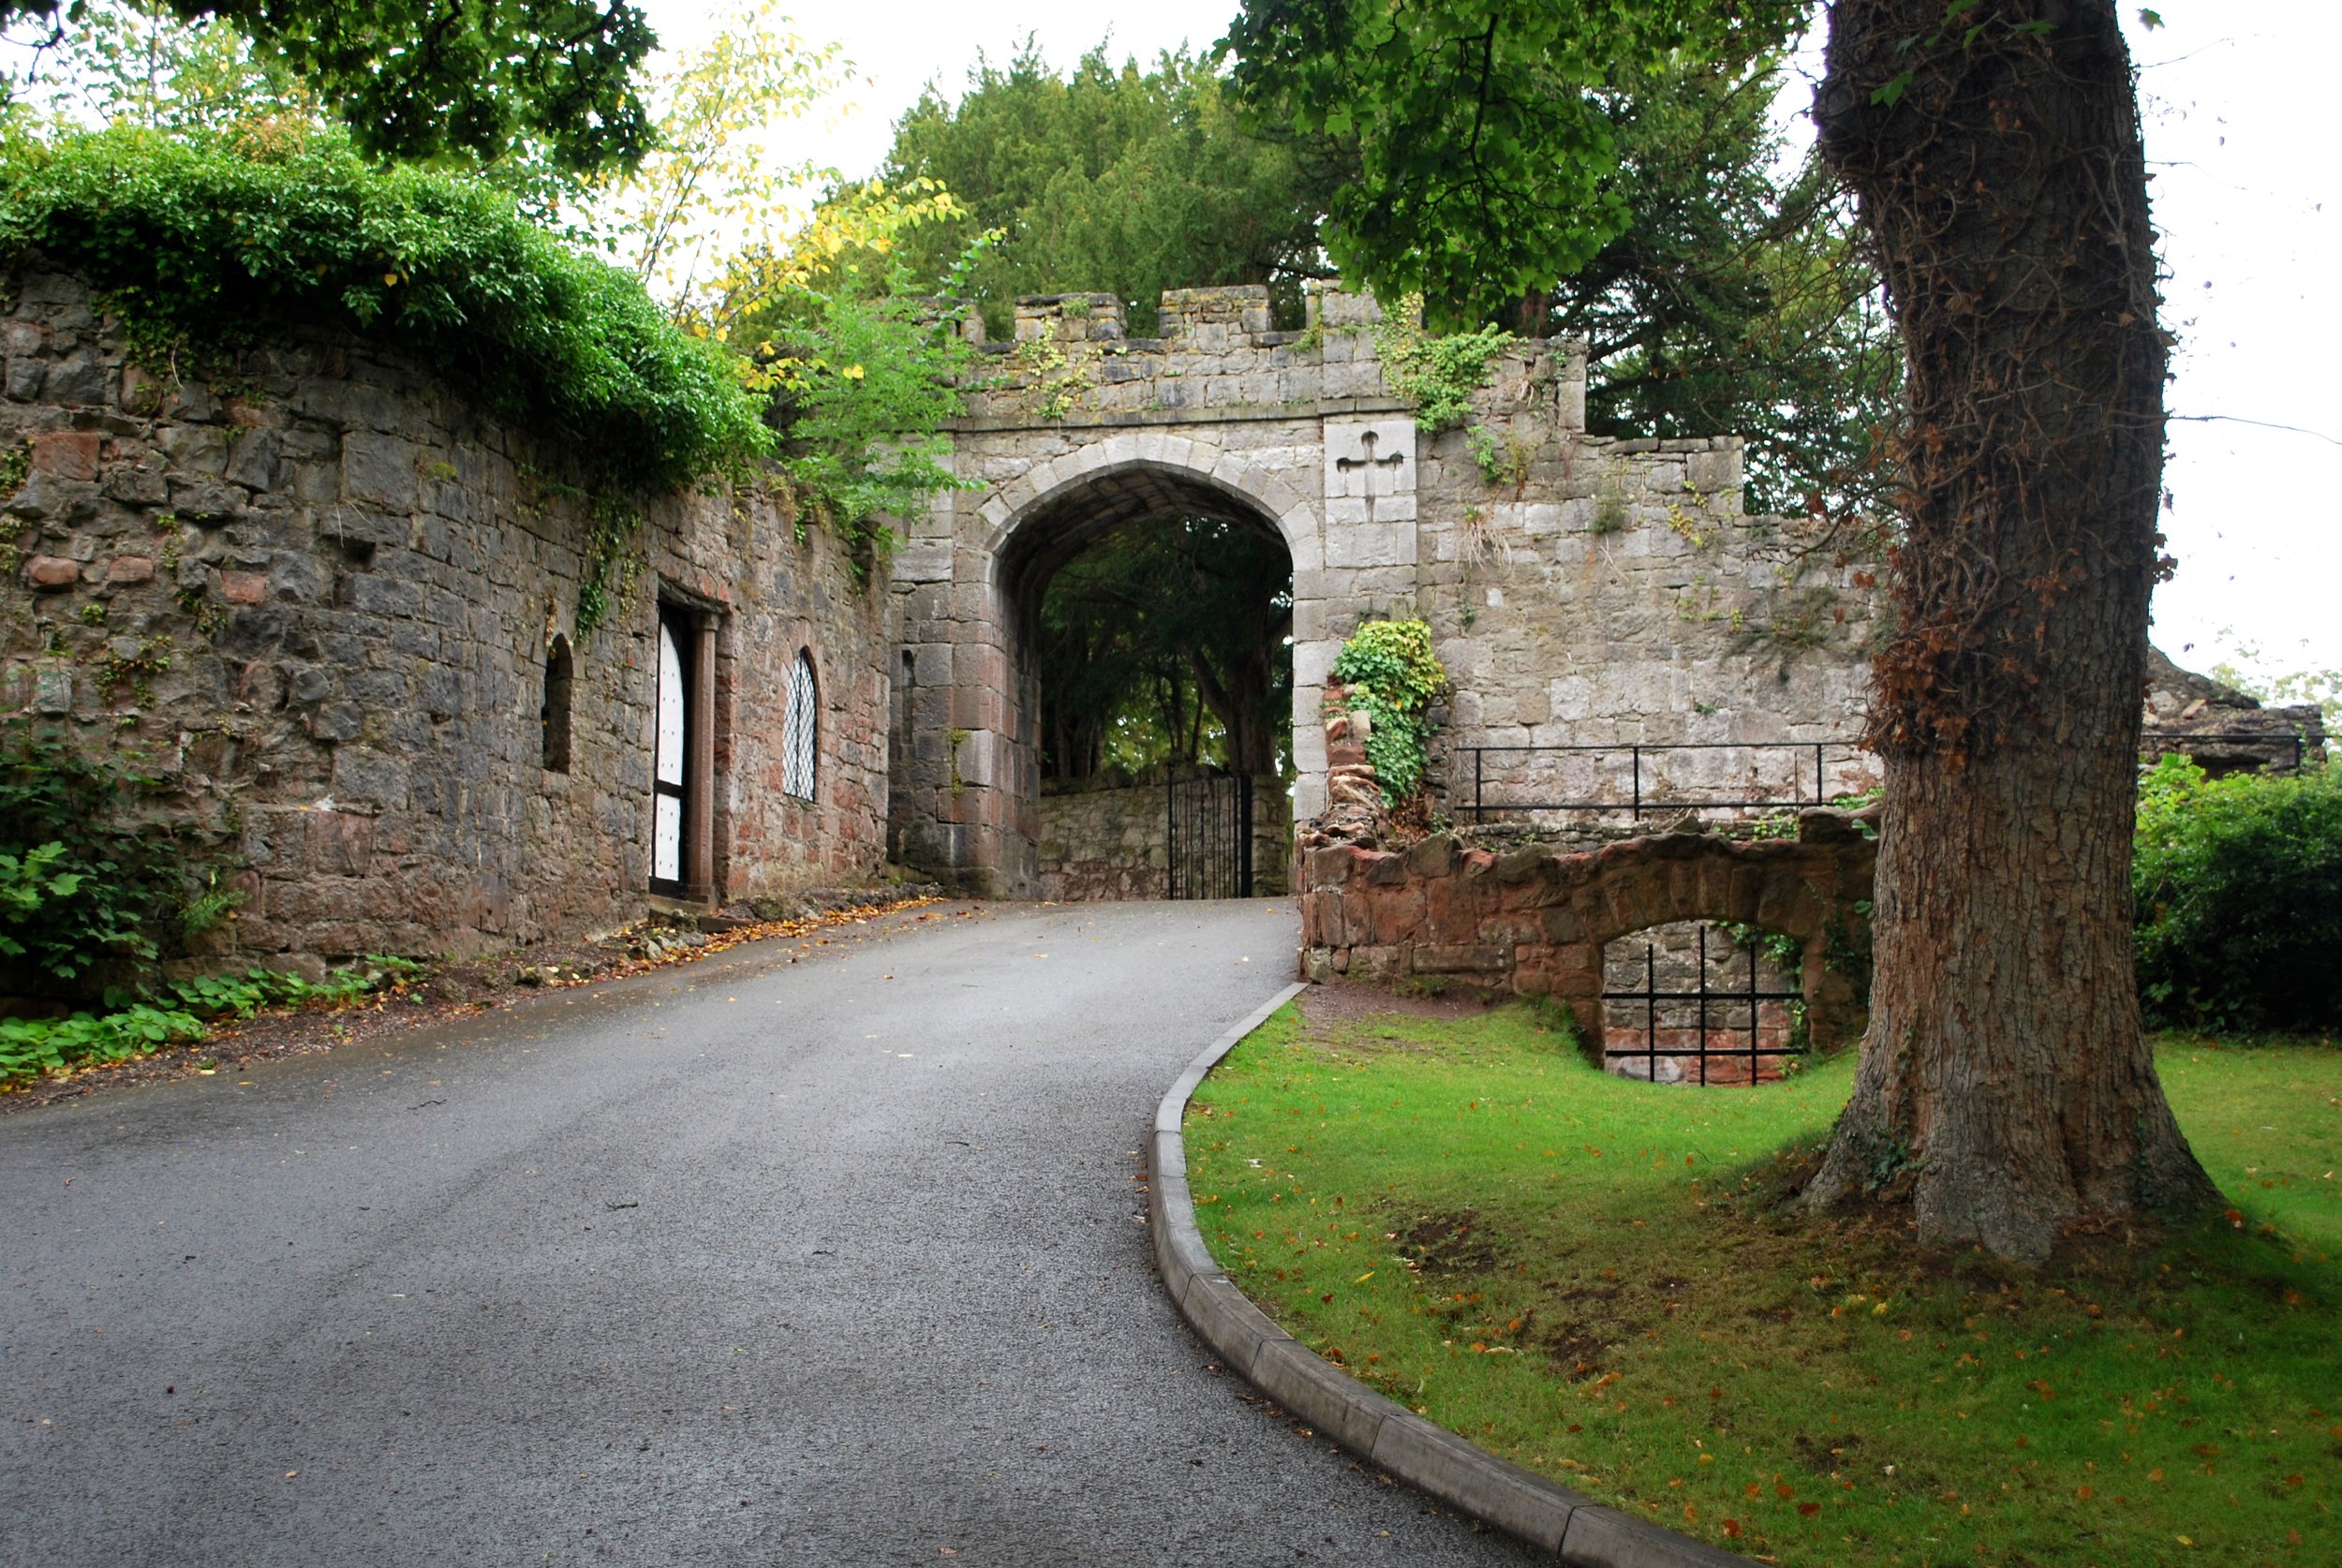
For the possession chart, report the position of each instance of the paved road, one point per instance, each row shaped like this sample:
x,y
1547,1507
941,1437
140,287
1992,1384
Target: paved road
x,y
825,1263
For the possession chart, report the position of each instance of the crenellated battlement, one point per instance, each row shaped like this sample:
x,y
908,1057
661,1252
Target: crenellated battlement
x,y
1072,361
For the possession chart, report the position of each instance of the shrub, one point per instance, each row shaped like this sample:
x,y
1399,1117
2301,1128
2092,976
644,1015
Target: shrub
x,y
2239,891
30,1046
1392,676
86,882
194,237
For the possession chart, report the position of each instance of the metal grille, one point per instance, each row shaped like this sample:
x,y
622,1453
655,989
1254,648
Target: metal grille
x,y
799,727
1208,835
1741,1037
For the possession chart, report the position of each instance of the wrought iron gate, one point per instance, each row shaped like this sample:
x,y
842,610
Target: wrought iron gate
x,y
1694,1042
1209,830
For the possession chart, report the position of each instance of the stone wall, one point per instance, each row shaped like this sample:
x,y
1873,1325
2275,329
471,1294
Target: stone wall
x,y
316,594
1110,841
1583,591
1534,920
1672,1034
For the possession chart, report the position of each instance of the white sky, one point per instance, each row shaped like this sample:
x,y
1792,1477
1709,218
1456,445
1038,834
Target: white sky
x,y
2238,99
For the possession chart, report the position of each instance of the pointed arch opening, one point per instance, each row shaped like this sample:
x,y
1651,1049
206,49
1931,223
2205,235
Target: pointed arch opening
x,y
554,717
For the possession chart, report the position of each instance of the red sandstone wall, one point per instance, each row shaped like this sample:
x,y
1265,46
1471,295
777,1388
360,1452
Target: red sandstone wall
x,y
1535,920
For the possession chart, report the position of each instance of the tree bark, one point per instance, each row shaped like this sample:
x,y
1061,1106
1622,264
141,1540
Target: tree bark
x,y
2005,1081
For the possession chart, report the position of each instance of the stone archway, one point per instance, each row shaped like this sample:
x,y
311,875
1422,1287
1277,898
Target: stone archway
x,y
1219,414
983,805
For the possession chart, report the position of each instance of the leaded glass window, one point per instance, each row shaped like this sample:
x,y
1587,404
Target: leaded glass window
x,y
799,731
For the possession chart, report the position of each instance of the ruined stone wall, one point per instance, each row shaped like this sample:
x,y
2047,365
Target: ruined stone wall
x,y
316,595
1536,920
1583,591
1110,841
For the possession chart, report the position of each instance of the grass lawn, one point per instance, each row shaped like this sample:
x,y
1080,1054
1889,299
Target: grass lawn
x,y
1588,1275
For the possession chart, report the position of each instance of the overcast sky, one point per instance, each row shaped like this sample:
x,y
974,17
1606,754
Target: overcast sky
x,y
2238,100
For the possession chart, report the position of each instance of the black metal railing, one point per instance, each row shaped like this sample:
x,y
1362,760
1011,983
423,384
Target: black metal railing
x,y
1636,784
1752,996
1640,785
1208,835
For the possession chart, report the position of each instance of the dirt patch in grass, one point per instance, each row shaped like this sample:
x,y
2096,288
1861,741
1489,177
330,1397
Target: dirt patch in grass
x,y
1602,1280
1333,1006
459,989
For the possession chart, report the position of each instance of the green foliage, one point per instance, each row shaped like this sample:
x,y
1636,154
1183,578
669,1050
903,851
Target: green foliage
x,y
91,882
480,79
1736,300
2238,884
30,1046
135,62
30,884
1392,676
1121,180
1484,154
869,380
1569,171
1166,642
197,240
1440,373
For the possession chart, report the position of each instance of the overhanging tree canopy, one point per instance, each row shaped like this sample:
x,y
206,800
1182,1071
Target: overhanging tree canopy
x,y
2006,1087
417,78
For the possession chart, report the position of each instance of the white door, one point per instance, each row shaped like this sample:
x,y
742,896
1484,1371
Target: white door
x,y
666,844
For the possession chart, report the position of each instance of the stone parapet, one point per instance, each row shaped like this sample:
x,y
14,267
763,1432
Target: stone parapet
x,y
1534,921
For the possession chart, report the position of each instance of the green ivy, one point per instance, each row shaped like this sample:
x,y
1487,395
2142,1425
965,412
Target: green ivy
x,y
1439,374
196,239
89,880
1392,676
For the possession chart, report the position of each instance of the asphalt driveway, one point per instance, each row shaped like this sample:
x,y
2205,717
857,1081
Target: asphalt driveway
x,y
836,1261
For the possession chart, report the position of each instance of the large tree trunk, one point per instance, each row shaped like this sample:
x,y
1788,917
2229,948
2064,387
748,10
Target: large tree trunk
x,y
2004,1077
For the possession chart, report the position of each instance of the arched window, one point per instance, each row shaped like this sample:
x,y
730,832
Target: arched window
x,y
800,729
559,673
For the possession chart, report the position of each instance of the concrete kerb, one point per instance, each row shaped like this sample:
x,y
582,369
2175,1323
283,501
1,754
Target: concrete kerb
x,y
1466,1477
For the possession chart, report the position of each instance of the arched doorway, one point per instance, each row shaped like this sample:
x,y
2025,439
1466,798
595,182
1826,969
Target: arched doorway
x,y
1150,618
970,744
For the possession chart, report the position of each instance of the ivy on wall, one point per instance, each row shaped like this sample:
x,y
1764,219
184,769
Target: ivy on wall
x,y
1392,676
193,238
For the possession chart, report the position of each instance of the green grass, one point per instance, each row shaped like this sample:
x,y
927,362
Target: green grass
x,y
1588,1275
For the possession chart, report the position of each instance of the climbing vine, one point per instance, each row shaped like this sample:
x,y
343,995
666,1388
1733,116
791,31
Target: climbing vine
x,y
194,237
1439,374
1391,676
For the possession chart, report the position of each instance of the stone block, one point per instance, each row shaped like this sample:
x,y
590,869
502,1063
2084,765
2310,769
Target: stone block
x,y
49,573
1461,958
77,380
124,571
252,461
379,470
1331,1402
66,453
1464,1475
1599,1537
341,842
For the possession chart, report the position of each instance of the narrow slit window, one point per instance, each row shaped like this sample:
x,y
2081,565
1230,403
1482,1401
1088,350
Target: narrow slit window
x,y
560,672
799,731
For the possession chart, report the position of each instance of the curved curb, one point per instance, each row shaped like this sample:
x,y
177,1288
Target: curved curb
x,y
1466,1477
